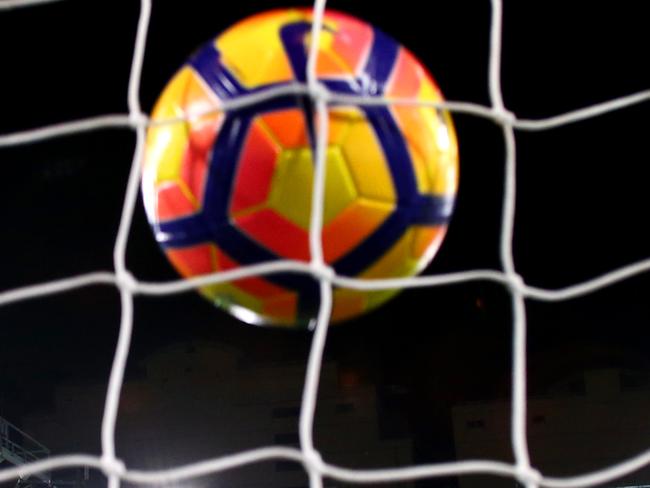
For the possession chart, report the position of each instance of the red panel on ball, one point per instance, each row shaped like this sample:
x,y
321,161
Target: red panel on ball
x,y
284,307
256,166
204,131
194,260
193,171
276,233
172,202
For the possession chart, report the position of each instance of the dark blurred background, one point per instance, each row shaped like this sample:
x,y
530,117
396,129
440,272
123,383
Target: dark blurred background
x,y
424,379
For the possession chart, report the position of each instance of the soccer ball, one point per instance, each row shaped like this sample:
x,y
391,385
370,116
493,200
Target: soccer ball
x,y
224,190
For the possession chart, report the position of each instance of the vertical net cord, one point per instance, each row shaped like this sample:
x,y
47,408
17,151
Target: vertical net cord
x,y
313,461
518,393
126,282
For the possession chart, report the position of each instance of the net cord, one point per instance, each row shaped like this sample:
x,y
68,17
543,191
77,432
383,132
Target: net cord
x,y
308,455
518,396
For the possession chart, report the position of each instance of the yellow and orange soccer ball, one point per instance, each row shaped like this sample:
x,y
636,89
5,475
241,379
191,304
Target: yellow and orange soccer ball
x,y
225,190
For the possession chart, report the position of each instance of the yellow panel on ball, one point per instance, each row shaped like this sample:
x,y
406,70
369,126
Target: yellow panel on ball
x,y
167,143
367,161
441,150
254,51
291,187
397,262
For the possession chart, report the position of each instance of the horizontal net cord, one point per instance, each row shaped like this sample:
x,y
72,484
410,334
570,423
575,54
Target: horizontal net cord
x,y
13,4
598,477
590,286
265,454
485,467
126,121
223,463
100,122
589,112
286,266
438,470
215,465
58,286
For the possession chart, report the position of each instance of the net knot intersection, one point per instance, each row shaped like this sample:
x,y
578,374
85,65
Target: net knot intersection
x,y
138,119
126,281
321,271
528,476
313,461
319,92
113,467
516,283
505,117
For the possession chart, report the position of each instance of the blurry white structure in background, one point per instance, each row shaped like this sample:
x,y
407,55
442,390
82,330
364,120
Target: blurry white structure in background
x,y
197,400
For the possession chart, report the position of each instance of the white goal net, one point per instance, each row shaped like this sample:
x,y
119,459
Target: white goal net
x,y
318,469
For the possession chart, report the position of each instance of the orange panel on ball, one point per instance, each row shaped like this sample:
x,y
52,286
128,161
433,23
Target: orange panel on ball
x,y
352,226
418,124
256,167
287,127
426,237
407,76
276,234
339,124
348,304
327,65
